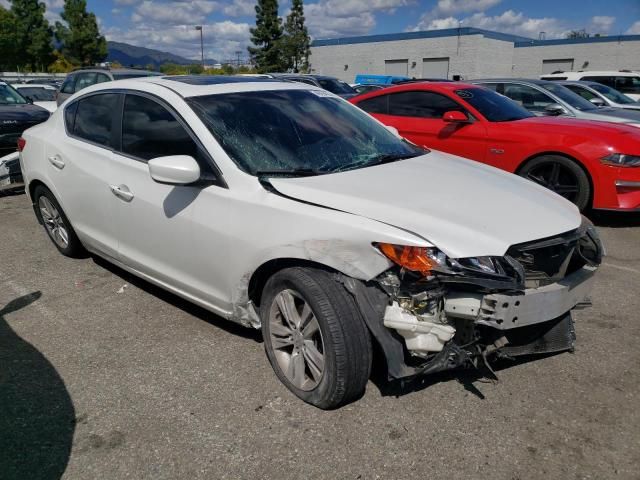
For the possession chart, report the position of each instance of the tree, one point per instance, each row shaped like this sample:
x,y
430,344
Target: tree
x,y
80,37
8,59
266,52
577,34
296,41
33,35
61,64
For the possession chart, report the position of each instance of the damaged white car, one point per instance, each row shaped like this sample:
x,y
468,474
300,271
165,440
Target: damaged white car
x,y
283,207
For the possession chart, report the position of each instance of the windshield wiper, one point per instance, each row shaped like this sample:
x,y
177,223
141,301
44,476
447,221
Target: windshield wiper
x,y
293,172
379,160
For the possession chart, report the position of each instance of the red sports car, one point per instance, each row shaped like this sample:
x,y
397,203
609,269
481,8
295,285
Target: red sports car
x,y
593,164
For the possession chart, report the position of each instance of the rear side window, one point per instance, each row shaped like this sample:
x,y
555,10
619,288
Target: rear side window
x,y
94,118
421,104
101,77
149,130
528,97
378,105
70,116
608,81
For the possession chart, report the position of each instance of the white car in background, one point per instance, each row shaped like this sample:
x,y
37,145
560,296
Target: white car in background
x,y
625,81
39,94
280,206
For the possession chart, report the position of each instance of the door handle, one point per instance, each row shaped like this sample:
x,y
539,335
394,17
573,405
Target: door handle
x,y
122,191
56,161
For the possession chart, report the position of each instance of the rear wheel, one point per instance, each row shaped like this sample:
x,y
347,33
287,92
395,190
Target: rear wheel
x,y
314,337
561,175
56,223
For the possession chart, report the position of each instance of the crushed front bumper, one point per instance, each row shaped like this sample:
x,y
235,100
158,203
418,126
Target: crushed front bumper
x,y
505,311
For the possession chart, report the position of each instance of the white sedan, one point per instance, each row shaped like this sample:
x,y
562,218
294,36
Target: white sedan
x,y
280,206
41,95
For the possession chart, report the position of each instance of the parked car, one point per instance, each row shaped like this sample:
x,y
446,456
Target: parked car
x,y
42,95
368,79
16,115
601,95
330,84
329,235
625,81
57,83
592,164
360,89
545,98
85,77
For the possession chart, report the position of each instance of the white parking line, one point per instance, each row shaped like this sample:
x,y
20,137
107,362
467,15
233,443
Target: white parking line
x,y
22,291
620,267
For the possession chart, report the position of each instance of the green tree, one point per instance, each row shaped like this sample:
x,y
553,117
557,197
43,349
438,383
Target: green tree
x,y
33,35
61,64
7,40
266,50
296,41
80,37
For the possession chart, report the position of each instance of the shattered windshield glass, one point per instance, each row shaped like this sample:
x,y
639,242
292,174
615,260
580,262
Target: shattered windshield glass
x,y
297,131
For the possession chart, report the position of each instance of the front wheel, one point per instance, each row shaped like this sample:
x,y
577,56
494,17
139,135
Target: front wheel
x,y
560,175
314,337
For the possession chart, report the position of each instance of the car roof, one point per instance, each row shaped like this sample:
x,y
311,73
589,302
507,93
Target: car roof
x,y
46,86
595,73
535,81
586,83
200,85
115,70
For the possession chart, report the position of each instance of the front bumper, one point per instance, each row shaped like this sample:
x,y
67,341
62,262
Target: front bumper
x,y
505,311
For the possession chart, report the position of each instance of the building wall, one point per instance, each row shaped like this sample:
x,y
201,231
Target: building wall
x,y
469,56
475,56
601,56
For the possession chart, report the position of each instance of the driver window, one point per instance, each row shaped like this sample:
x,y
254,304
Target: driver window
x,y
421,104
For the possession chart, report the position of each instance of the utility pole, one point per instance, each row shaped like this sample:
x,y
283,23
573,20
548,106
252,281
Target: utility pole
x,y
199,27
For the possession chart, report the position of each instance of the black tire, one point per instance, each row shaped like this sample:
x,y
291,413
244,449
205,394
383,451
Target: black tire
x,y
74,247
345,339
561,175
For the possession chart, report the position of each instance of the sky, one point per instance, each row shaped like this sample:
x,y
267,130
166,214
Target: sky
x,y
168,25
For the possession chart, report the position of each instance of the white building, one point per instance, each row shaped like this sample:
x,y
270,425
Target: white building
x,y
470,53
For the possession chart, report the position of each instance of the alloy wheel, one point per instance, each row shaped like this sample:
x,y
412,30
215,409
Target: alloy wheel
x,y
296,339
557,178
53,222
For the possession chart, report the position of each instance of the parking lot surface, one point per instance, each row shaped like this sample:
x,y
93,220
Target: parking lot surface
x,y
105,376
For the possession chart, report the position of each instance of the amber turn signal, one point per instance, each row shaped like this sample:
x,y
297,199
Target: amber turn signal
x,y
416,259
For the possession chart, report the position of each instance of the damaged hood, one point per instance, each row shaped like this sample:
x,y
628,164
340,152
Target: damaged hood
x,y
465,208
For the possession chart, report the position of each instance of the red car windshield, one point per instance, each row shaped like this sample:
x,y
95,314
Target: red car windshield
x,y
493,106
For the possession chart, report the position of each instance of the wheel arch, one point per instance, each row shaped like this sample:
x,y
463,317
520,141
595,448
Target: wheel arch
x,y
572,158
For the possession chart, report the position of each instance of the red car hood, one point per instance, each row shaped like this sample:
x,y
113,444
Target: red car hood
x,y
569,126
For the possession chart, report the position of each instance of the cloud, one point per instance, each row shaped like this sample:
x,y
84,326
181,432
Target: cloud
x,y
174,12
601,24
221,39
239,8
337,18
634,29
451,7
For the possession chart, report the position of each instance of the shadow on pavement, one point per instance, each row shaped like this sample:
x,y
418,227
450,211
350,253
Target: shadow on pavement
x,y
37,418
178,302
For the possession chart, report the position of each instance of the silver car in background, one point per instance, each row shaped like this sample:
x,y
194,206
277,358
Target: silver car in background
x,y
601,95
542,98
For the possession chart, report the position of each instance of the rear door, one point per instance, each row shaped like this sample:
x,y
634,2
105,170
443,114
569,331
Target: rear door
x,y
418,117
80,167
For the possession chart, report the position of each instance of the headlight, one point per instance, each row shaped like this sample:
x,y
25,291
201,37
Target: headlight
x,y
621,160
480,264
417,259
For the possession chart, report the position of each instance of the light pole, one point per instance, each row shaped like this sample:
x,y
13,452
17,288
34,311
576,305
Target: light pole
x,y
199,27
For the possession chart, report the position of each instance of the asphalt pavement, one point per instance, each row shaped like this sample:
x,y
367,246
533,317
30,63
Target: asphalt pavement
x,y
105,376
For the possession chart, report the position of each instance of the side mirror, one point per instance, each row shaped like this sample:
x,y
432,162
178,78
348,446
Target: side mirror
x,y
174,169
597,101
393,130
554,109
455,116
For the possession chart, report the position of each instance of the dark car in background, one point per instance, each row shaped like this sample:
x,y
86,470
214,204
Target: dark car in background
x,y
330,84
83,78
16,115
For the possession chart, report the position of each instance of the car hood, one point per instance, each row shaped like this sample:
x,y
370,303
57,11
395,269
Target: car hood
x,y
23,113
463,207
620,114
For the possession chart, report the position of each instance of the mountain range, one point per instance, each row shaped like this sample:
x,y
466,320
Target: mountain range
x,y
131,55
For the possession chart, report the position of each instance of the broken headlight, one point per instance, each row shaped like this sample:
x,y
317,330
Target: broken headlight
x,y
416,259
